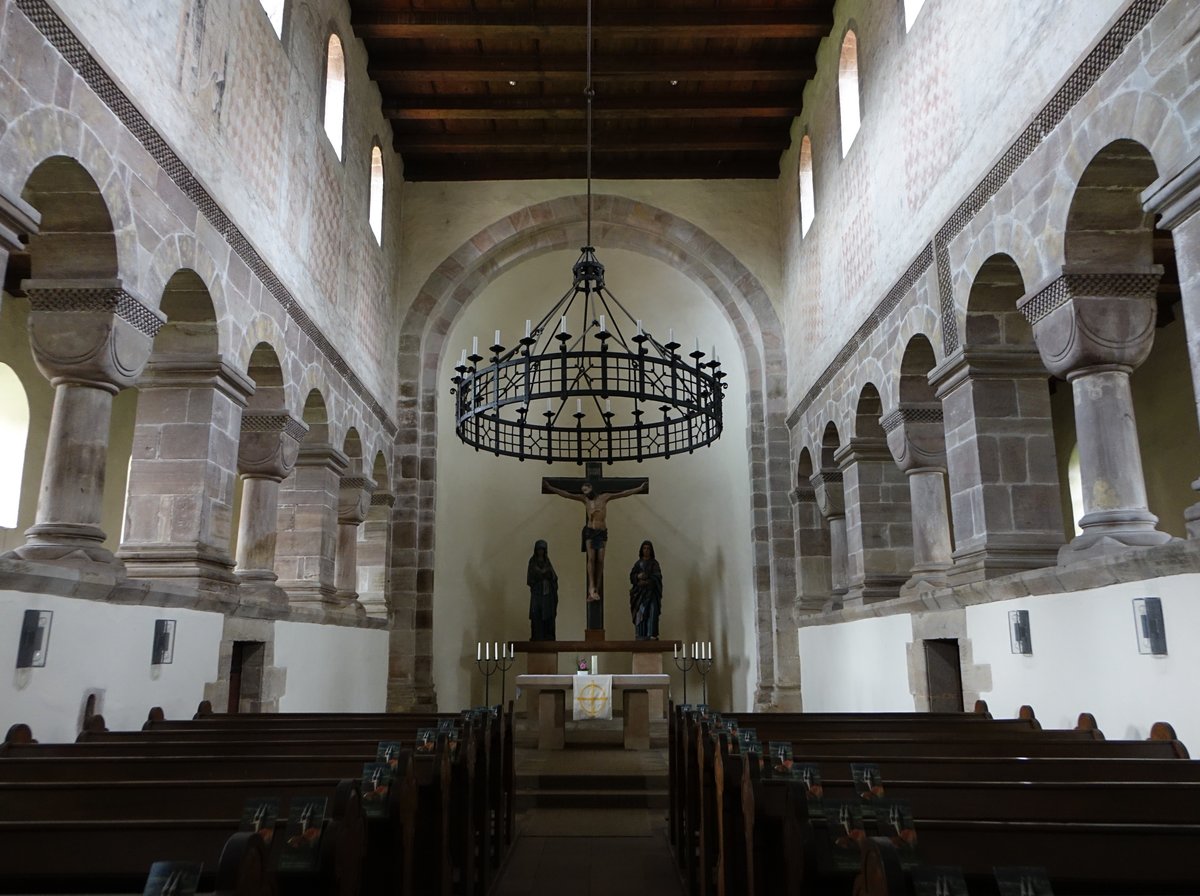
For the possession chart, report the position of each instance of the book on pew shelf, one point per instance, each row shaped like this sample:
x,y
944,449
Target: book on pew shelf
x,y
932,880
447,725
306,818
259,814
780,755
173,879
389,751
1022,882
426,740
847,834
753,749
894,820
376,785
810,774
868,781
747,734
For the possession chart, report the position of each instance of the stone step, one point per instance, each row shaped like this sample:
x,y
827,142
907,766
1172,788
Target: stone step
x,y
607,798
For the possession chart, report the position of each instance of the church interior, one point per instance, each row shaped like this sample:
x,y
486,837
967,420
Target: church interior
x,y
947,255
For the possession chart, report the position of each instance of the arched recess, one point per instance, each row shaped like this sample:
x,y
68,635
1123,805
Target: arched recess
x,y
72,265
560,224
182,478
372,549
1004,486
266,404
827,481
1121,274
813,584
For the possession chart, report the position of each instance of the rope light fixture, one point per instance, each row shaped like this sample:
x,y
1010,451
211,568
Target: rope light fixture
x,y
590,348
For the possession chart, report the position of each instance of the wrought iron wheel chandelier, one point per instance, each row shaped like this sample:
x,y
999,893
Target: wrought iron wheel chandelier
x,y
588,347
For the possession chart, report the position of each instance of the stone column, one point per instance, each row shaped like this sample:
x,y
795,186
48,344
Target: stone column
x,y
915,437
267,452
1000,458
182,476
830,497
1093,328
308,526
354,500
878,521
813,556
1177,199
90,339
372,554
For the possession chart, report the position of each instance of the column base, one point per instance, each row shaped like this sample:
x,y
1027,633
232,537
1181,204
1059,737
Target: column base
x,y
187,567
1105,544
782,698
348,602
258,589
62,544
877,589
928,579
991,560
311,594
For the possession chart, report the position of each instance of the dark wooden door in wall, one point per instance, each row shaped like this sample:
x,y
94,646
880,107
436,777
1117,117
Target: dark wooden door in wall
x,y
943,674
245,676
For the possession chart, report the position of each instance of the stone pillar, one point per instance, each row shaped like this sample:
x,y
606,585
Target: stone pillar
x,y
1177,199
267,451
372,555
813,556
91,339
830,497
354,499
1000,458
183,472
915,437
1093,328
878,521
308,526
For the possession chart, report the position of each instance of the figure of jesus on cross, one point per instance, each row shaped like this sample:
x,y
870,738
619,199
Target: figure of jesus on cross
x,y
594,492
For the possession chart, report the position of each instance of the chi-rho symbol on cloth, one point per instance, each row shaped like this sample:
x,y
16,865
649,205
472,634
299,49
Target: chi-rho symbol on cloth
x,y
593,697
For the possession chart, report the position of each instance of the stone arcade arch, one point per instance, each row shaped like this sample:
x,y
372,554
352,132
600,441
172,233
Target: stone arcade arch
x,y
558,224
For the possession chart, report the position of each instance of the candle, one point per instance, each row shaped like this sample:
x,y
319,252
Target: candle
x,y
578,405
478,651
671,335
593,667
462,361
697,343
562,325
474,345
603,329
608,405
527,328
487,650
497,342
695,647
675,650
709,657
640,328
549,407
496,649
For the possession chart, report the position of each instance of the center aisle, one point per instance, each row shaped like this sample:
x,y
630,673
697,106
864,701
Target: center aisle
x,y
590,822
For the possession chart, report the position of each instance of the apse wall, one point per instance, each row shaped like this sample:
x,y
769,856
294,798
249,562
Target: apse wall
x,y
1085,659
490,510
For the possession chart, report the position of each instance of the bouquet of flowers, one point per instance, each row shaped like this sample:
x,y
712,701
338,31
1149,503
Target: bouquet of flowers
x,y
581,665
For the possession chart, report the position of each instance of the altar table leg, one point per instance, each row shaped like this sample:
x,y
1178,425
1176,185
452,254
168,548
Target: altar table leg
x,y
552,733
652,664
637,720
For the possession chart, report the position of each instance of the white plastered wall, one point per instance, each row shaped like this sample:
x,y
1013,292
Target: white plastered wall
x,y
106,647
331,668
859,666
490,510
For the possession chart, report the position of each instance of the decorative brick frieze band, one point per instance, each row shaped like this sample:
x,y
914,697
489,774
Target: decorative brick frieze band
x,y
283,423
826,476
383,499
64,40
352,482
902,415
105,299
1108,285
1103,55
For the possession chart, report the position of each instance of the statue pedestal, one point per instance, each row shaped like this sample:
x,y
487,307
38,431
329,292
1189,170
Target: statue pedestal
x,y
591,635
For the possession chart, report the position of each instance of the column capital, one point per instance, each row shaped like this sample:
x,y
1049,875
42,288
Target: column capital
x,y
90,332
320,454
862,449
829,493
269,445
1174,196
1091,317
985,362
916,437
354,499
192,372
381,498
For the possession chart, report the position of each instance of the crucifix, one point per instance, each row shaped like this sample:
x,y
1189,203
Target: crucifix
x,y
594,491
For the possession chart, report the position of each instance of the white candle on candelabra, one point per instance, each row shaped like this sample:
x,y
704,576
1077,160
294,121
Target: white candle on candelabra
x,y
474,345
640,328
496,649
697,343
462,361
675,650
603,329
608,405
671,334
497,342
562,324
478,650
528,326
593,666
709,657
578,405
487,650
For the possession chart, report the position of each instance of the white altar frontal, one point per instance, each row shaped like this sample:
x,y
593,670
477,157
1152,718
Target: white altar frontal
x,y
587,691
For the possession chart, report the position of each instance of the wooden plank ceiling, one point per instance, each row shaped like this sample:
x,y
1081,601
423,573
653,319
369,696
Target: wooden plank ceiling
x,y
493,89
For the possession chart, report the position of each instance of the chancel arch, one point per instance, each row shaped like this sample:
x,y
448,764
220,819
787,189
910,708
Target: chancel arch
x,y
716,277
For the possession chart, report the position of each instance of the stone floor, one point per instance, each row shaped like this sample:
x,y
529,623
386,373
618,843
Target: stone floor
x,y
585,843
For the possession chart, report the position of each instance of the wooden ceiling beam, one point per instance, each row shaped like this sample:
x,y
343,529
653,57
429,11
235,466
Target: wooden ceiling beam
x,y
488,167
563,108
562,68
758,24
604,143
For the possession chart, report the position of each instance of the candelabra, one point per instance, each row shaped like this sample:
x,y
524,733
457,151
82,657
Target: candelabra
x,y
504,664
704,666
684,664
490,659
